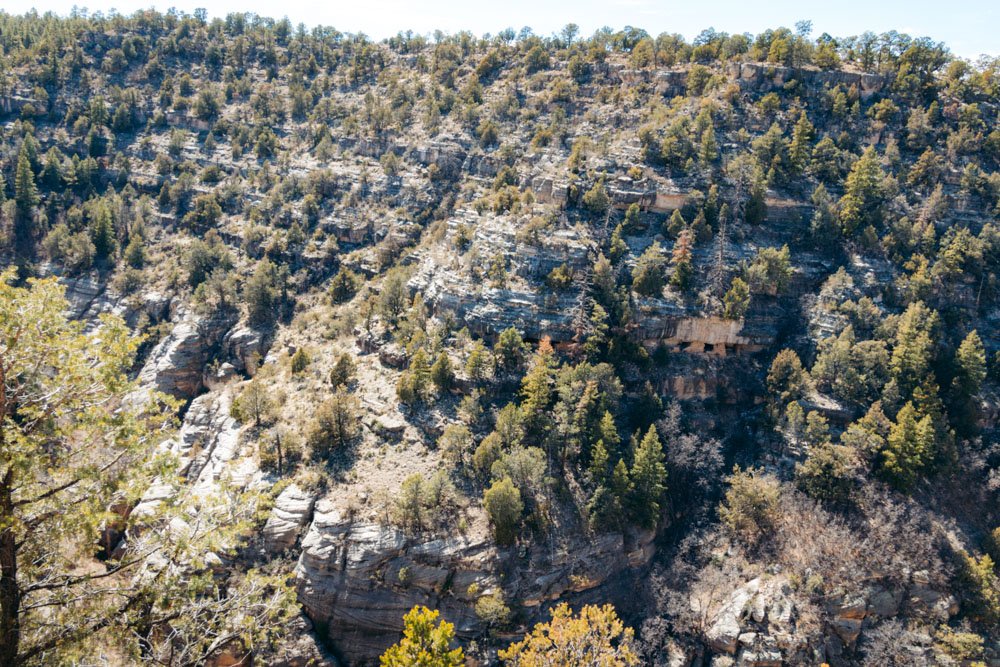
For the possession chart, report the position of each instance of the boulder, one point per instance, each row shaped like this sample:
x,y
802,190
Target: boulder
x,y
176,363
291,511
245,347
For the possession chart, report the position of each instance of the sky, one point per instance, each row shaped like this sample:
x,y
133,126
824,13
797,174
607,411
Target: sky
x,y
968,27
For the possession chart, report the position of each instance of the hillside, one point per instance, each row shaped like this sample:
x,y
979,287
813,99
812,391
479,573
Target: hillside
x,y
707,331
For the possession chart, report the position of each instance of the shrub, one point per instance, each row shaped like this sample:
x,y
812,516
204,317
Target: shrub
x,y
493,612
335,423
343,371
750,506
300,361
503,504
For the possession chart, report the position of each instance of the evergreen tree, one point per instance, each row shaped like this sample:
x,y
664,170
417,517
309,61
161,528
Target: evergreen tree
x,y
648,275
343,371
683,274
970,366
736,301
755,209
617,247
509,350
862,202
102,234
52,175
676,224
420,371
912,353
908,449
135,252
648,476
477,363
442,374
503,505
424,644
799,151
25,192
827,474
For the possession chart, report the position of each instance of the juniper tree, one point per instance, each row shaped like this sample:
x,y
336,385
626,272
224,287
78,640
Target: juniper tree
x,y
77,444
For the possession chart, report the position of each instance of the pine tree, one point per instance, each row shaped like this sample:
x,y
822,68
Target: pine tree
x,y
910,363
617,248
135,252
648,477
799,151
648,274
102,234
709,149
442,374
420,371
736,301
599,463
621,485
477,363
908,449
510,349
343,371
52,174
970,366
755,209
862,201
25,192
676,224
503,505
607,441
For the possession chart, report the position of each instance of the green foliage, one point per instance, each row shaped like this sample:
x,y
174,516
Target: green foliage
x,y
982,587
424,644
648,276
71,388
300,361
736,301
342,373
503,505
827,474
912,354
262,292
750,505
648,477
442,373
335,423
787,380
863,198
909,448
970,366
509,350
596,199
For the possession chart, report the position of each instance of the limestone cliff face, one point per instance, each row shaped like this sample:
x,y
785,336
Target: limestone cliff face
x,y
176,363
357,579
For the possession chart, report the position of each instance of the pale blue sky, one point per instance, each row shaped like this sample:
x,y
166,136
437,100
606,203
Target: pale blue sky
x,y
969,27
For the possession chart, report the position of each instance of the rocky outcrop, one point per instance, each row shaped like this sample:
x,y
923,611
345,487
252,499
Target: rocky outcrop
x,y
758,623
291,511
245,347
358,578
762,78
175,365
301,648
208,444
